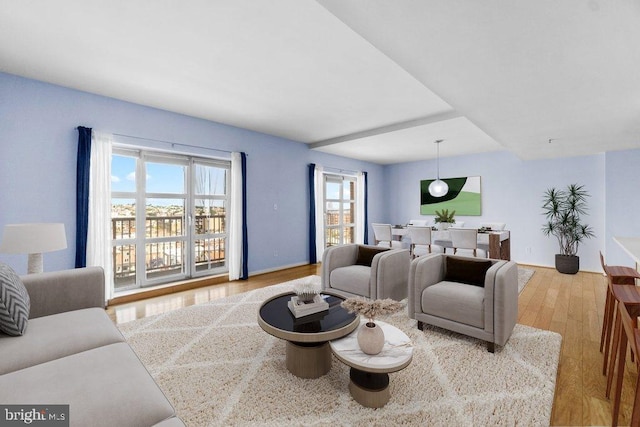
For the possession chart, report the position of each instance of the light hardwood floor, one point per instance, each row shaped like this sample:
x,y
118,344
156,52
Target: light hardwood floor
x,y
572,305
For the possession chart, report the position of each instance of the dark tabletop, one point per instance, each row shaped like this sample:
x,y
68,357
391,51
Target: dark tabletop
x,y
276,313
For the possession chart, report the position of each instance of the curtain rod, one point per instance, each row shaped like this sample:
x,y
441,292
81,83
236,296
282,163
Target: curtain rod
x,y
340,170
173,144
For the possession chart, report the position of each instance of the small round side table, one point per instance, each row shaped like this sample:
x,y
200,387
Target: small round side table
x,y
369,374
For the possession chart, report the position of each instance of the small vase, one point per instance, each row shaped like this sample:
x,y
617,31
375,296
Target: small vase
x,y
370,338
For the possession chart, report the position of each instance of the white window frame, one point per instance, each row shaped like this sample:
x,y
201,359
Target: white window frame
x,y
189,237
341,200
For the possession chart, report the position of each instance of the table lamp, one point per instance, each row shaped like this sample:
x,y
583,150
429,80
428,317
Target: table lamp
x,y
33,239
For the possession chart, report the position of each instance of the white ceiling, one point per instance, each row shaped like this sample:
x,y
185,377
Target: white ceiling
x,y
376,80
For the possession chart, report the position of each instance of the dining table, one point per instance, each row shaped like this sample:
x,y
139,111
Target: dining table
x,y
497,241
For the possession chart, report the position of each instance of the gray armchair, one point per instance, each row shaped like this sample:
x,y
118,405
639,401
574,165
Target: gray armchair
x,y
368,271
474,297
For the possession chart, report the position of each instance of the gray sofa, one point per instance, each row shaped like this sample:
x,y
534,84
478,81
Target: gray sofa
x,y
471,296
367,271
72,353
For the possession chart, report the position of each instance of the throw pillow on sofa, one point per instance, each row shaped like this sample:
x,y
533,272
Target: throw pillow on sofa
x,y
366,254
471,272
14,302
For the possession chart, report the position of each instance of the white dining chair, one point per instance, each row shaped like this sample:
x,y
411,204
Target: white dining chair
x,y
420,240
465,239
384,237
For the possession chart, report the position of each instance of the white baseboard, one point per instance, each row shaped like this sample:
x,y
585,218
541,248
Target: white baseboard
x,y
524,264
282,267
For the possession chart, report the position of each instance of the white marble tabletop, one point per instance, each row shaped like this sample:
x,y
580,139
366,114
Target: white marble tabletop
x,y
483,238
445,236
395,355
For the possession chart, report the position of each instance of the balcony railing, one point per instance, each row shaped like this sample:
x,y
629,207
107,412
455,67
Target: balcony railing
x,y
166,258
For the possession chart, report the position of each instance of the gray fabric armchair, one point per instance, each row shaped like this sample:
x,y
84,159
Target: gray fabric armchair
x,y
368,271
474,297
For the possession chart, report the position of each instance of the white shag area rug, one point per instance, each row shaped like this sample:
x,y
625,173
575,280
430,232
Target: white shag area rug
x,y
219,368
524,274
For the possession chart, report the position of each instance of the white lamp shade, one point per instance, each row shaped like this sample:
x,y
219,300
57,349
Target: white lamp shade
x,y
33,238
438,188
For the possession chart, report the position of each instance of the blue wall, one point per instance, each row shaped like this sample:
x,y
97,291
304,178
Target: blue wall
x,y
38,144
512,191
622,202
37,178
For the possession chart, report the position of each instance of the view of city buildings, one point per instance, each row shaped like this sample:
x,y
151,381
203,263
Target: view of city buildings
x,y
164,255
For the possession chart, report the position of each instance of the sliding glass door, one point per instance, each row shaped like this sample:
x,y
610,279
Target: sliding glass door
x,y
339,209
171,224
210,209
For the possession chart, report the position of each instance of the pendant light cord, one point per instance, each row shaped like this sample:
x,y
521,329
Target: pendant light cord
x,y
438,162
438,141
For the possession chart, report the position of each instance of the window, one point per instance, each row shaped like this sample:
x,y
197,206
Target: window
x,y
339,209
168,217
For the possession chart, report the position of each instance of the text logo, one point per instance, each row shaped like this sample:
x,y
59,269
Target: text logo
x,y
34,415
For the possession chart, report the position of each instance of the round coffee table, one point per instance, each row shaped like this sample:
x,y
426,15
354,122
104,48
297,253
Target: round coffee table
x,y
308,354
369,374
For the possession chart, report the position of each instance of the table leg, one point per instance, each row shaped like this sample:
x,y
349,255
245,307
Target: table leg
x,y
369,389
505,249
494,246
499,249
308,360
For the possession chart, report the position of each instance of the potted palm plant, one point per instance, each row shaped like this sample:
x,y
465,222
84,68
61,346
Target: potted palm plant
x,y
563,210
444,219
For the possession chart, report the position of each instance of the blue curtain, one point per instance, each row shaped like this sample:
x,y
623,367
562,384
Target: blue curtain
x,y
313,256
82,194
245,238
366,208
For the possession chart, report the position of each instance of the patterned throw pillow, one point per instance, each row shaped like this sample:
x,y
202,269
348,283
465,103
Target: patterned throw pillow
x,y
14,302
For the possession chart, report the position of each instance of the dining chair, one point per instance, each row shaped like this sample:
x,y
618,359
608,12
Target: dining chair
x,y
384,237
629,335
464,238
629,297
619,275
420,240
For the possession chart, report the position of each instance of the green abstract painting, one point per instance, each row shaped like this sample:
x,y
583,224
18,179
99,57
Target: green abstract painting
x,y
464,196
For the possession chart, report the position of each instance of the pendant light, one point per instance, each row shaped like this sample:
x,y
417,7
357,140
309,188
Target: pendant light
x,y
438,188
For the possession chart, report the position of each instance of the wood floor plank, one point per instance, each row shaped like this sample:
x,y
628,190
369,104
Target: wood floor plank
x,y
567,409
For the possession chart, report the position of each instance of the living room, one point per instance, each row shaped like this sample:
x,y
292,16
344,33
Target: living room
x,y
38,135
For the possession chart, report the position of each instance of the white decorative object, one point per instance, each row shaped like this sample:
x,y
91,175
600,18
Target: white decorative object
x,y
306,291
33,239
370,338
301,308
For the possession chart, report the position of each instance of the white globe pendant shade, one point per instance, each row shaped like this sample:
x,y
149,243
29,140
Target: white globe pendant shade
x,y
438,188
